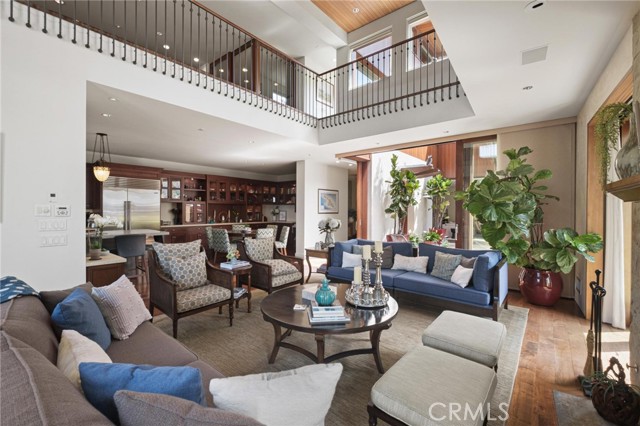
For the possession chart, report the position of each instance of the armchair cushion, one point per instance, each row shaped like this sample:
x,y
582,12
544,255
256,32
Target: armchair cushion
x,y
280,267
180,250
198,297
285,279
259,250
189,272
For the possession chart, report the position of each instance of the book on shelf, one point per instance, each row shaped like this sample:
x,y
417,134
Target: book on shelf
x,y
235,265
239,291
327,320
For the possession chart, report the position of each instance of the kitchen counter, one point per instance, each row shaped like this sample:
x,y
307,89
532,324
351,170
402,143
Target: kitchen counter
x,y
108,259
288,223
148,232
105,270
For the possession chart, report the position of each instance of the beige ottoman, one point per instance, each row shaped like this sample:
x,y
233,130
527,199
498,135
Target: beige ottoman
x,y
430,387
473,338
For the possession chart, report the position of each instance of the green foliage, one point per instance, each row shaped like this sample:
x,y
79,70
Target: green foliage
x,y
432,236
438,188
508,205
402,187
608,121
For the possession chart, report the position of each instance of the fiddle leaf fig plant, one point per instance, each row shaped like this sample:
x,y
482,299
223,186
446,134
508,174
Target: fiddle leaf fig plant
x,y
508,206
438,188
402,187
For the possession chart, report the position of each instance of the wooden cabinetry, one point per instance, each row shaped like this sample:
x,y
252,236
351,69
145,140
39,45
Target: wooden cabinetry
x,y
93,192
194,212
170,188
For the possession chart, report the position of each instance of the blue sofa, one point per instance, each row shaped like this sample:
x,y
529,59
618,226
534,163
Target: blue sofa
x,y
485,294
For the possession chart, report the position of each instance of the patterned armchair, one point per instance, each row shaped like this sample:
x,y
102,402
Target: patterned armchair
x,y
281,243
182,282
271,270
263,233
219,242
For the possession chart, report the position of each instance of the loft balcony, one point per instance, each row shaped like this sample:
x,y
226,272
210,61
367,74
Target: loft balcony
x,y
186,41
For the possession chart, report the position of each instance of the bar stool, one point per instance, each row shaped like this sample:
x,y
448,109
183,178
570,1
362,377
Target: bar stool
x,y
133,248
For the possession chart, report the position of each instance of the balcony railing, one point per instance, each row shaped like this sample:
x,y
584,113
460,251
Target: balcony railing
x,y
186,41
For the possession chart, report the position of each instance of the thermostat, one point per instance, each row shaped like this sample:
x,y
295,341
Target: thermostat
x,y
62,210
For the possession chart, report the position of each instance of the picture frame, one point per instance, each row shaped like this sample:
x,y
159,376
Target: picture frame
x,y
325,91
328,201
282,216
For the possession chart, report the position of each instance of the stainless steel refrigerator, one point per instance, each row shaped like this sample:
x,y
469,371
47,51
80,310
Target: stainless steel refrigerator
x,y
135,202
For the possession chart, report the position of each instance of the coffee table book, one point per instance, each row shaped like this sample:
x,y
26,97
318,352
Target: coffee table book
x,y
327,320
236,265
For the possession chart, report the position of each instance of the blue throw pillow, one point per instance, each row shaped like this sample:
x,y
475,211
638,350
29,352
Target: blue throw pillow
x,y
101,381
12,287
79,312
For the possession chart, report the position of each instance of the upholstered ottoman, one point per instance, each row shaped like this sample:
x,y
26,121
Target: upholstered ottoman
x,y
430,387
473,338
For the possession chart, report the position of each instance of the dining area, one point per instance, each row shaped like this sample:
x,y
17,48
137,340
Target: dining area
x,y
222,241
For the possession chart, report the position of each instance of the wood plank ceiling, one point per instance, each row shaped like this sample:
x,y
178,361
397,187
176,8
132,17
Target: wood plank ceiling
x,y
342,12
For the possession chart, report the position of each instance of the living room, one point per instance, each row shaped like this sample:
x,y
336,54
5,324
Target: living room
x,y
48,133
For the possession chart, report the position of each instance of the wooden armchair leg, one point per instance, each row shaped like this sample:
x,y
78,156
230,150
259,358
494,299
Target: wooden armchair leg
x,y
230,313
175,328
220,310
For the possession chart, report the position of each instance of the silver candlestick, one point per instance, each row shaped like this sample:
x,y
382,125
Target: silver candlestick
x,y
366,275
379,294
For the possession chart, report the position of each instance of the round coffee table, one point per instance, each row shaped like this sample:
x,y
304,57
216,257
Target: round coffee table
x,y
277,308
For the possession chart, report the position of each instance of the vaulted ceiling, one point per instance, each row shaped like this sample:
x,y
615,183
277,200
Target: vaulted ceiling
x,y
353,14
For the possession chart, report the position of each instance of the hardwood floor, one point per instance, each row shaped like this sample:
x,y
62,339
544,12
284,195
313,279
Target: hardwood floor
x,y
553,355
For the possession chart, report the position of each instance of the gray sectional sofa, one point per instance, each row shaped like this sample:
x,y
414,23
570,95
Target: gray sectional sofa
x,y
486,293
34,391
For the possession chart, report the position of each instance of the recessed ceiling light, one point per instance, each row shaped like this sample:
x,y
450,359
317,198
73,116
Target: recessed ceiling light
x,y
159,33
252,141
221,70
356,10
166,47
244,70
527,88
201,129
196,59
535,4
246,81
338,160
275,84
113,99
350,164
445,131
117,26
59,1
105,114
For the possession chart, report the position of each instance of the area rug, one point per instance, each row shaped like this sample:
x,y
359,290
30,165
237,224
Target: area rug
x,y
572,410
244,348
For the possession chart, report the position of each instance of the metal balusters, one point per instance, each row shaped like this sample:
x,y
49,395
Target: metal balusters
x,y
206,50
124,34
182,42
28,24
44,28
60,19
113,25
191,61
135,34
11,18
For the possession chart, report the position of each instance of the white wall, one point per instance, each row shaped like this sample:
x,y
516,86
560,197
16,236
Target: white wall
x,y
618,66
312,176
43,83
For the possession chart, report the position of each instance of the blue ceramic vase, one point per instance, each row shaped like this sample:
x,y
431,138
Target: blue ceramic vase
x,y
324,295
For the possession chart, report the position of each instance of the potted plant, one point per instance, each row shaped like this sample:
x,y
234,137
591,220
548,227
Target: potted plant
x,y
432,236
438,188
508,206
402,187
608,121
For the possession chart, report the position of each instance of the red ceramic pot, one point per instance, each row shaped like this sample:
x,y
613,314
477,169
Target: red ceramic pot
x,y
540,287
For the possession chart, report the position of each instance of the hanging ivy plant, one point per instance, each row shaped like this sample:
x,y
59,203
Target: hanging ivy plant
x,y
608,121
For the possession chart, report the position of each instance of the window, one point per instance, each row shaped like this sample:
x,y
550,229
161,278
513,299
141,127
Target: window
x,y
373,61
479,157
425,49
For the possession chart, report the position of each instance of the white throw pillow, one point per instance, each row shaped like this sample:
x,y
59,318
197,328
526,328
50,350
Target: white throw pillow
x,y
121,306
412,264
74,348
350,260
299,397
461,276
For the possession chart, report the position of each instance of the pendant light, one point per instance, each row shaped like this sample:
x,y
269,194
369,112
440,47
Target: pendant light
x,y
101,168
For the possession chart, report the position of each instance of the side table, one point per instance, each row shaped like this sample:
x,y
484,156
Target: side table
x,y
318,253
235,282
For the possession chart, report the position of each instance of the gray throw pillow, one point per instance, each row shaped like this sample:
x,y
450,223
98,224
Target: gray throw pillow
x,y
358,249
387,257
153,409
445,264
468,262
